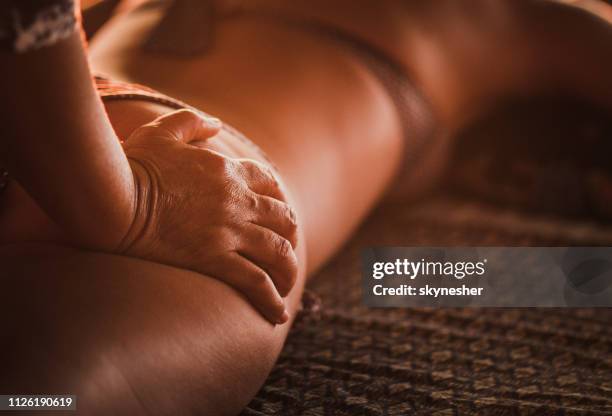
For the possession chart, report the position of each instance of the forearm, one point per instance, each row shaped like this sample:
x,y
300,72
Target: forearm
x,y
59,145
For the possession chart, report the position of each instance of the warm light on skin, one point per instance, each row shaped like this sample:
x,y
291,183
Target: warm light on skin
x,y
597,7
124,5
88,3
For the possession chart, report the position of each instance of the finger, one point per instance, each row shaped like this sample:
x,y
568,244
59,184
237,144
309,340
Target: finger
x,y
276,216
273,254
261,179
254,283
182,126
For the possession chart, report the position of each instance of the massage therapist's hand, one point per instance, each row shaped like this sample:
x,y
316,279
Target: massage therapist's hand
x,y
197,209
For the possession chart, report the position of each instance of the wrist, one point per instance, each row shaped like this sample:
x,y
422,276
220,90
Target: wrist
x,y
141,207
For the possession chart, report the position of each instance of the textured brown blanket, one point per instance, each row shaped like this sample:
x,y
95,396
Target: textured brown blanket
x,y
346,359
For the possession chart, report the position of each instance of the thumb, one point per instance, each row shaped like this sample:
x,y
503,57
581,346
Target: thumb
x,y
182,126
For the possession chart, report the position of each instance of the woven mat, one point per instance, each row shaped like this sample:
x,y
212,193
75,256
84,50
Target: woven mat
x,y
346,359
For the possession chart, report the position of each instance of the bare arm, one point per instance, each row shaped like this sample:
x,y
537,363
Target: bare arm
x,y
58,143
160,198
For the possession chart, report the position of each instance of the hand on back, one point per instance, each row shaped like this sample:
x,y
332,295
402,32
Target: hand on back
x,y
198,209
194,208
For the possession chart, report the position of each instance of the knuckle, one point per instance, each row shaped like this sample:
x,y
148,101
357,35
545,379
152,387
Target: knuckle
x,y
292,264
224,238
289,222
230,200
223,166
247,164
291,217
213,160
220,167
252,201
251,165
270,177
262,172
294,233
283,247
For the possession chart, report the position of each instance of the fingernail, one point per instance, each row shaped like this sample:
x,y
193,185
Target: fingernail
x,y
283,318
212,122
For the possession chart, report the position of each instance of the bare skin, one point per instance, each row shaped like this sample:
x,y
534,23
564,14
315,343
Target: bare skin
x,y
231,344
130,337
278,91
331,130
158,197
